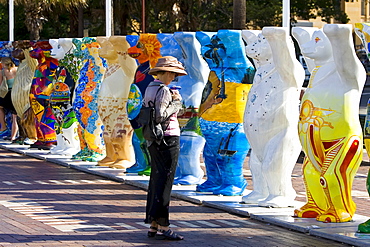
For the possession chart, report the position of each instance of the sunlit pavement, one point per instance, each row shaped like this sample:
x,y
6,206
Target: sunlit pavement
x,y
57,220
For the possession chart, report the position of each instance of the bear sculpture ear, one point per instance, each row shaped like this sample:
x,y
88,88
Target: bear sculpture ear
x,y
204,37
250,36
15,44
303,34
26,44
18,54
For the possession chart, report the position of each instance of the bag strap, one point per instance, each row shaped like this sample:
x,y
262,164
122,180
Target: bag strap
x,y
151,102
165,122
4,77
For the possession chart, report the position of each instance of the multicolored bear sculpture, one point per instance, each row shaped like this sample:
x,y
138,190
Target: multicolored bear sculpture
x,y
85,101
146,52
363,32
329,127
221,112
41,88
21,90
68,142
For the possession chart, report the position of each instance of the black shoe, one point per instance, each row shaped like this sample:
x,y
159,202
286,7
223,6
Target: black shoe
x,y
152,234
18,140
168,235
37,144
47,146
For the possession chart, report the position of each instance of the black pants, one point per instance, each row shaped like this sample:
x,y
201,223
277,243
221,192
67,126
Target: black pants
x,y
7,102
164,158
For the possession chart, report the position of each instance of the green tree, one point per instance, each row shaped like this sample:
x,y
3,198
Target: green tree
x,y
20,30
43,19
34,11
327,9
126,17
58,23
262,13
331,9
189,15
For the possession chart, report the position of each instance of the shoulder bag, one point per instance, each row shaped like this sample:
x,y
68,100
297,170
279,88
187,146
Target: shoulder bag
x,y
152,131
3,86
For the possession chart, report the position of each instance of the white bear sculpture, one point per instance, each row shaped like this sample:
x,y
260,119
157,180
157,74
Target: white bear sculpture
x,y
271,116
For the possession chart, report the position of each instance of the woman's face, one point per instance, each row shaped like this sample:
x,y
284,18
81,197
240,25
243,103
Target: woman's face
x,y
171,76
167,77
6,62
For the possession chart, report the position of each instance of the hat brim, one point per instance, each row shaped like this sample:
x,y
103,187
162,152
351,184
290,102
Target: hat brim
x,y
155,70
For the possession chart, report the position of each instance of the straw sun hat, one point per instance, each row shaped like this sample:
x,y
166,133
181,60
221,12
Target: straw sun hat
x,y
170,64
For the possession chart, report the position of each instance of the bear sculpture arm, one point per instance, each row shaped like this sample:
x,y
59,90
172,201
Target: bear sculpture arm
x,y
348,65
284,55
303,35
251,37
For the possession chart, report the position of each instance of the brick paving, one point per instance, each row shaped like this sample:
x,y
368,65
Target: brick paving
x,y
43,204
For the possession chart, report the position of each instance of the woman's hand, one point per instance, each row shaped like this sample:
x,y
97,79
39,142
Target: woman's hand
x,y
176,95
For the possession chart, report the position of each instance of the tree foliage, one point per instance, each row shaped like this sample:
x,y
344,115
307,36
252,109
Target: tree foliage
x,y
188,15
327,9
331,9
35,10
262,13
43,19
20,30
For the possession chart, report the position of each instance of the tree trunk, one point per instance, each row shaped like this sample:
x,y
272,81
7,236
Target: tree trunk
x,y
34,34
73,23
239,14
80,22
34,19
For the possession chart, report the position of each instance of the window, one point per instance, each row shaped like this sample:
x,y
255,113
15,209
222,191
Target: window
x,y
363,10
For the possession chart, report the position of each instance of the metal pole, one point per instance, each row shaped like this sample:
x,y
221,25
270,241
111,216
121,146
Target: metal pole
x,y
11,20
108,18
143,16
286,13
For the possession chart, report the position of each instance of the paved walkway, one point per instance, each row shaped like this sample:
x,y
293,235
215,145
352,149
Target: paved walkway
x,y
343,232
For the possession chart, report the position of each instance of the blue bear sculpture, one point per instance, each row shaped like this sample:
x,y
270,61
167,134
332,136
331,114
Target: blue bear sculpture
x,y
186,48
222,109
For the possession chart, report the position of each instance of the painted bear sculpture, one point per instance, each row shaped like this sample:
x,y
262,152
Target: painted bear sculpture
x,y
41,87
186,48
221,111
85,101
68,142
329,127
146,51
363,32
271,117
21,89
112,104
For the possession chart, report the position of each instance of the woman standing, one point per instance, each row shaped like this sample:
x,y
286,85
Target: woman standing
x,y
164,153
9,70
